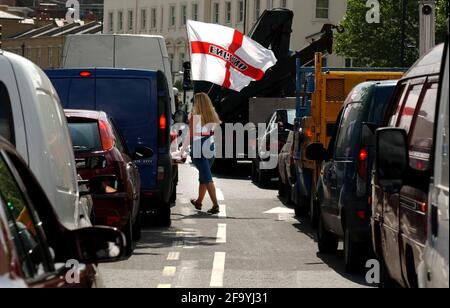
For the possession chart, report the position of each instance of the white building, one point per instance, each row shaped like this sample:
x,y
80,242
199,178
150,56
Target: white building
x,y
168,18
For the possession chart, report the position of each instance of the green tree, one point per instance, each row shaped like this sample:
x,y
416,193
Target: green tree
x,y
379,44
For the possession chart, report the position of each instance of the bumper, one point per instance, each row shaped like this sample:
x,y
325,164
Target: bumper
x,y
112,210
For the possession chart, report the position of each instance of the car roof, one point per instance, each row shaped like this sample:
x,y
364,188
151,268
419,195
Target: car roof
x,y
429,64
85,114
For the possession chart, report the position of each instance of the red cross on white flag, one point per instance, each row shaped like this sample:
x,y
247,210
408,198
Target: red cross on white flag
x,y
225,56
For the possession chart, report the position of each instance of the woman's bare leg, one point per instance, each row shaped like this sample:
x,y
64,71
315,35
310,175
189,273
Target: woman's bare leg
x,y
201,193
212,193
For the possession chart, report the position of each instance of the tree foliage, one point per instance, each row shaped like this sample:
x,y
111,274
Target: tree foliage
x,y
379,44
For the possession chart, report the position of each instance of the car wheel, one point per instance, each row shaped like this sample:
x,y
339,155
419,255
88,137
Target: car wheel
x,y
353,253
137,227
128,232
327,241
314,211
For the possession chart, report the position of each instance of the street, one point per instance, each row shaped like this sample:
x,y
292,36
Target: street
x,y
256,242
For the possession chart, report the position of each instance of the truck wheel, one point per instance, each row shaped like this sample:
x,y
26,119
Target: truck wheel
x,y
327,241
353,253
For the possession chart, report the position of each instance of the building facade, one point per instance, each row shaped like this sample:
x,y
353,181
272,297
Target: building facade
x,y
168,18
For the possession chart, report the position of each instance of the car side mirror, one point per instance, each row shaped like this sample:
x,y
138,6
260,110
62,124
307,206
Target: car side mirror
x,y
392,158
180,117
98,244
143,153
103,185
368,134
316,152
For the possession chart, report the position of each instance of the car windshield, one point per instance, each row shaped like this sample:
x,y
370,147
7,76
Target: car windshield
x,y
85,136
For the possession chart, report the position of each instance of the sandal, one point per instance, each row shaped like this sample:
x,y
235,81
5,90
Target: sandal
x,y
215,210
197,206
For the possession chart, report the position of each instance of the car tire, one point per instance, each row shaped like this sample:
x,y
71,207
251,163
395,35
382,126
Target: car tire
x,y
128,232
326,241
314,211
137,227
353,253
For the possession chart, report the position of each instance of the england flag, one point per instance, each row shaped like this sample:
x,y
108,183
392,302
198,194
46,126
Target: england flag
x,y
226,57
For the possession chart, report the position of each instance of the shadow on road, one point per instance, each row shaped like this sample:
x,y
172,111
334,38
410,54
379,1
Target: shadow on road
x,y
334,261
203,215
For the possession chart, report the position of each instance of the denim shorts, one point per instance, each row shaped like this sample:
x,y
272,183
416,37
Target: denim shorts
x,y
204,164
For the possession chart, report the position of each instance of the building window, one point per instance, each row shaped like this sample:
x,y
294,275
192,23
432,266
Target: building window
x,y
195,11
143,19
182,59
228,12
283,4
322,8
130,20
257,9
120,21
183,15
241,11
153,18
111,22
216,12
173,16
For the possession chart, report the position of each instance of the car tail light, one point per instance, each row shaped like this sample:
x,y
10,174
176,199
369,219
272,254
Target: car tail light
x,y
361,214
106,136
363,157
423,207
85,74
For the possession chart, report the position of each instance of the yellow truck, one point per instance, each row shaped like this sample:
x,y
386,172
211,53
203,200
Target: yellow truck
x,y
319,114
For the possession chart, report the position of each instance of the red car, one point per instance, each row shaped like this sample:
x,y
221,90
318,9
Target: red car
x,y
36,250
101,151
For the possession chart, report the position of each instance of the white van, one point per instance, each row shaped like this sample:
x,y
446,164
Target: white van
x,y
32,119
118,51
433,271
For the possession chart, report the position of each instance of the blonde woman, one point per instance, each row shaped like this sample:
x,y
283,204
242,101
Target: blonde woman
x,y
202,123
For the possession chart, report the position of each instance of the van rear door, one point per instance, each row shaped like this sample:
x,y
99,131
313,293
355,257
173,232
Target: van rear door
x,y
131,102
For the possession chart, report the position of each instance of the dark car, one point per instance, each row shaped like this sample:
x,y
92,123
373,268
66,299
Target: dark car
x,y
100,150
403,171
139,103
344,184
286,173
36,250
282,121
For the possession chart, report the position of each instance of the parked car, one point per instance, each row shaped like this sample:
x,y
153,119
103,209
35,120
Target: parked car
x,y
344,187
403,170
286,174
32,119
283,121
139,103
100,150
433,271
34,245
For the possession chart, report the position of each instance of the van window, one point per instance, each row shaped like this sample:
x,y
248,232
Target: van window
x,y
422,135
351,121
6,120
128,102
58,141
380,102
82,93
409,109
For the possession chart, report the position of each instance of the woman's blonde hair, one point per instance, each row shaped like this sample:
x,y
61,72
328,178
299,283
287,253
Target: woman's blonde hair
x,y
204,108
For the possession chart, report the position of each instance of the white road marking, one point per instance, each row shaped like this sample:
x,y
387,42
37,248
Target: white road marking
x,y
184,200
221,237
173,256
169,271
223,211
218,270
280,210
219,194
164,286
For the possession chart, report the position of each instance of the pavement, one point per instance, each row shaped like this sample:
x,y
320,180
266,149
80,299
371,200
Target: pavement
x,y
256,242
